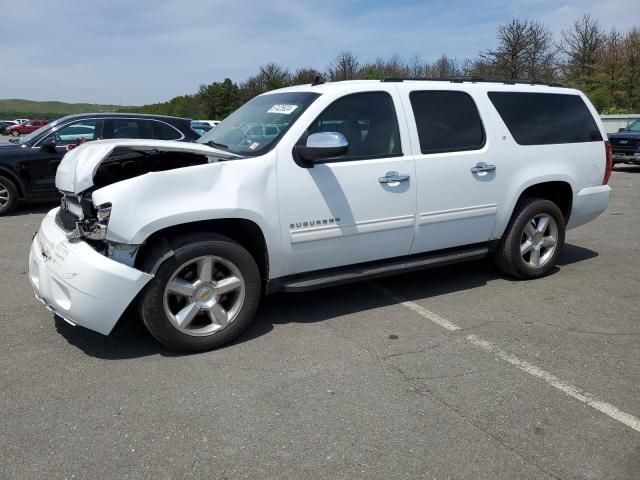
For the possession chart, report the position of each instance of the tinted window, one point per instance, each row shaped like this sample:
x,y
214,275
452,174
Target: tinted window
x,y
546,118
367,120
162,131
446,121
131,129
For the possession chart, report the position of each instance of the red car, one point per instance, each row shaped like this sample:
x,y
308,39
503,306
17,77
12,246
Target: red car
x,y
28,127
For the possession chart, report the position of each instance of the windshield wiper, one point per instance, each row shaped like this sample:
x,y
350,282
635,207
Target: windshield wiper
x,y
211,143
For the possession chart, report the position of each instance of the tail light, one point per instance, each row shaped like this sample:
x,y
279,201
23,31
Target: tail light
x,y
609,166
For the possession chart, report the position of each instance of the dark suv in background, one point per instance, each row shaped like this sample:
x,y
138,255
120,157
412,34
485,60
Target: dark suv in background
x,y
625,144
28,164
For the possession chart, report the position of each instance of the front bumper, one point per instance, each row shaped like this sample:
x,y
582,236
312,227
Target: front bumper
x,y
588,204
78,283
626,157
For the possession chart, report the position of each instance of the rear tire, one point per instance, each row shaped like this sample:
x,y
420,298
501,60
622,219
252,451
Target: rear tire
x,y
533,240
203,296
8,196
15,133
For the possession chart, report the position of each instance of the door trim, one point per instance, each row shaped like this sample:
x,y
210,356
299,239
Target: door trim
x,y
458,214
337,229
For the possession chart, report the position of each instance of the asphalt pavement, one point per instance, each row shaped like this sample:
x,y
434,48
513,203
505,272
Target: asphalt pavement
x,y
451,373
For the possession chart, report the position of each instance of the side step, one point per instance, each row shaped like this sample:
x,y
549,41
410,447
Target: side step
x,y
363,271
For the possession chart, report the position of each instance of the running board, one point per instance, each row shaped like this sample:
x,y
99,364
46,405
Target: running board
x,y
364,271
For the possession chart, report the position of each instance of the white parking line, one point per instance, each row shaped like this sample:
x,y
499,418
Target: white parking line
x,y
571,390
438,320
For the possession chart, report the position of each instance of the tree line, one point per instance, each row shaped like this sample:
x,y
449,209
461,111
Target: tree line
x,y
603,64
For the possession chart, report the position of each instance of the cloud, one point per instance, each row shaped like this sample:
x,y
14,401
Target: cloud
x,y
129,52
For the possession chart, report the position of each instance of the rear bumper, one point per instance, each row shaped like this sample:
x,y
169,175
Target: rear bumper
x,y
78,283
588,204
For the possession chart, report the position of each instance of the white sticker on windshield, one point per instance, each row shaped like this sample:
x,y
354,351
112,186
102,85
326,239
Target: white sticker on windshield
x,y
282,108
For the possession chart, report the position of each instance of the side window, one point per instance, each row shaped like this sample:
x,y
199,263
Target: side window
x,y
368,121
162,131
78,132
124,128
447,121
546,118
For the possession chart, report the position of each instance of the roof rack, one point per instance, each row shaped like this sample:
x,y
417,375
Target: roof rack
x,y
533,81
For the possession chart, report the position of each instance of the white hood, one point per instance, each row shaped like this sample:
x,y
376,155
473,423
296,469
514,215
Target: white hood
x,y
78,167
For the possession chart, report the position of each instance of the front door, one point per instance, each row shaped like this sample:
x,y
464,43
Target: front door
x,y
358,207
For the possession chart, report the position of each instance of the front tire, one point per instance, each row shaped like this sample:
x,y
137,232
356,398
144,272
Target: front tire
x,y
533,240
203,296
8,196
15,133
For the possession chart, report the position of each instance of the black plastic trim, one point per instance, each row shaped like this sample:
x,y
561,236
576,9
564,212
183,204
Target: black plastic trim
x,y
363,271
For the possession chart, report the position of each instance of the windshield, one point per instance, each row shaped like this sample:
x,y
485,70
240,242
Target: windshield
x,y
633,126
257,126
27,138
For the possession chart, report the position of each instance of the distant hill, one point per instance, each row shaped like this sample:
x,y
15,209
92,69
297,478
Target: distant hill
x,y
17,108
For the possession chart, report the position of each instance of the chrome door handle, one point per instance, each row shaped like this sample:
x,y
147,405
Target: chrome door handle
x,y
394,177
483,167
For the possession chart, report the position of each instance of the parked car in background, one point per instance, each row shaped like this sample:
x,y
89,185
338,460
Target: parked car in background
x,y
213,123
20,121
28,164
625,144
4,124
24,128
200,127
362,179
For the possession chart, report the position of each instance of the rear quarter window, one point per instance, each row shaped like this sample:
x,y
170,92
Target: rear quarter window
x,y
546,118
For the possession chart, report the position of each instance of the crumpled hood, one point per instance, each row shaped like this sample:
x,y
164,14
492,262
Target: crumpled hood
x,y
78,167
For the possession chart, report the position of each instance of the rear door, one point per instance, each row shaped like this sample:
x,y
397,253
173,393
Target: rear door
x,y
458,180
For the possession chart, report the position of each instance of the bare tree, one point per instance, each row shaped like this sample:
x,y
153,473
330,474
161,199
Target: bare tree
x,y
416,68
582,44
444,67
306,75
541,53
510,58
344,67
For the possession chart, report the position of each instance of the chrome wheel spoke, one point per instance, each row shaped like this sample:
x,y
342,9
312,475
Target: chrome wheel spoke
x,y
228,284
548,242
543,223
530,230
218,314
205,269
181,287
526,246
534,259
185,316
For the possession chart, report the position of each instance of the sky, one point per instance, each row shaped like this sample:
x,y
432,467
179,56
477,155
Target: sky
x,y
133,52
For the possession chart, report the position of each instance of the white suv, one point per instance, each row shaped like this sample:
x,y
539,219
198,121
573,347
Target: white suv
x,y
362,179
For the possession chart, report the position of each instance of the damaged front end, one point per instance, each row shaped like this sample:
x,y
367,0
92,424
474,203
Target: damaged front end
x,y
96,165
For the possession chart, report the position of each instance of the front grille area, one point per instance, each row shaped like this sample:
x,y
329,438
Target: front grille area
x,y
66,220
624,145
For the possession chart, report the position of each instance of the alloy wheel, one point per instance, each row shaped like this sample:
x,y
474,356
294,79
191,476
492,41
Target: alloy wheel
x,y
204,295
539,240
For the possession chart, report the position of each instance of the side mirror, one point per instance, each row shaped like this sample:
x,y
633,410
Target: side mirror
x,y
49,145
323,146
621,129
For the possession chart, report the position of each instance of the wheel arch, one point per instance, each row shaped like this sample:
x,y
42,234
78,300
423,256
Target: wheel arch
x,y
5,172
558,189
244,231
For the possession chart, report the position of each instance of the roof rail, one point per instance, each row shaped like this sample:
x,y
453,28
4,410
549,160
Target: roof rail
x,y
471,79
